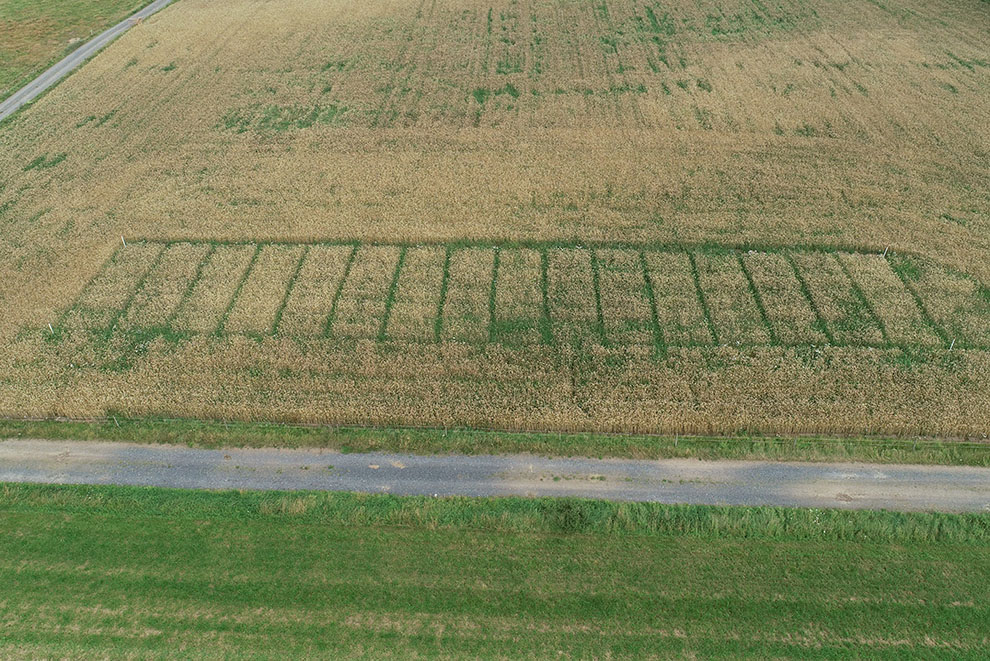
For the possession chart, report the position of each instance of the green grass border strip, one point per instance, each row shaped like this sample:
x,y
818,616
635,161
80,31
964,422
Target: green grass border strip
x,y
504,514
472,441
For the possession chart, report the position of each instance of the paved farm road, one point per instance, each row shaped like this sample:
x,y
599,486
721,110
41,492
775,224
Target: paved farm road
x,y
60,70
855,486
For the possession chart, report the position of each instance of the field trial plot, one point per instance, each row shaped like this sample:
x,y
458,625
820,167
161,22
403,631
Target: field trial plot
x,y
476,295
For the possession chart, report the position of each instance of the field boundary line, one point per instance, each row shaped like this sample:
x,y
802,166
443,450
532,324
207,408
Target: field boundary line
x,y
649,246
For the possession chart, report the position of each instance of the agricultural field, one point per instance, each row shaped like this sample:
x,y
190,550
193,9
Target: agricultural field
x,y
713,217
34,34
156,572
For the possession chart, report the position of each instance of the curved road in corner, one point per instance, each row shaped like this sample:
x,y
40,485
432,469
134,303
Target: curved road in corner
x,y
847,486
60,70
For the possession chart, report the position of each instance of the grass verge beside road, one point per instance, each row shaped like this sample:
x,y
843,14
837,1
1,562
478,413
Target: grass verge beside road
x,y
214,434
142,571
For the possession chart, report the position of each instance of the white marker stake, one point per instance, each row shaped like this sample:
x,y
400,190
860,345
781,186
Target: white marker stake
x,y
884,250
125,242
952,345
51,329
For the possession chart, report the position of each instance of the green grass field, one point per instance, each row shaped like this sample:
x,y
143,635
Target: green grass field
x,y
34,34
169,574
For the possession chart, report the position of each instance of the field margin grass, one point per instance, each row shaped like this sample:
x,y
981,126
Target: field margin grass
x,y
217,434
502,514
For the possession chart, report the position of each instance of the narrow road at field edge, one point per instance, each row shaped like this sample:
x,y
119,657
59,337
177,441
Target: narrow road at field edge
x,y
71,61
837,485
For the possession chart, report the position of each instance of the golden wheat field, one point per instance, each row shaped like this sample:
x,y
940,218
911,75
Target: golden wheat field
x,y
711,216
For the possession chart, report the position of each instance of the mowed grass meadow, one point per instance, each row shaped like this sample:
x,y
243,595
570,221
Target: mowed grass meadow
x,y
717,217
174,574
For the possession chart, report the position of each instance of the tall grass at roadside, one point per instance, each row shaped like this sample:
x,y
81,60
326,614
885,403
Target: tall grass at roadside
x,y
508,515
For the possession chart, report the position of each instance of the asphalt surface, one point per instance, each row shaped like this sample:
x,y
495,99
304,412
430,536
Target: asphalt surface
x,y
60,70
846,486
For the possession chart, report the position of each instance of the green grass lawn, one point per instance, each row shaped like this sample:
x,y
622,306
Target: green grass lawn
x,y
34,34
114,571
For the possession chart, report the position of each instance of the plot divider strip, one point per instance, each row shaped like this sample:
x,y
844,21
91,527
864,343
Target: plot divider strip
x,y
288,290
496,261
237,292
759,300
390,295
546,323
89,283
442,298
806,292
596,287
858,291
122,312
929,320
191,286
659,340
328,323
701,297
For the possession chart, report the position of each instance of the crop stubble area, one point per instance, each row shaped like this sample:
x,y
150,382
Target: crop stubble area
x,y
699,217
